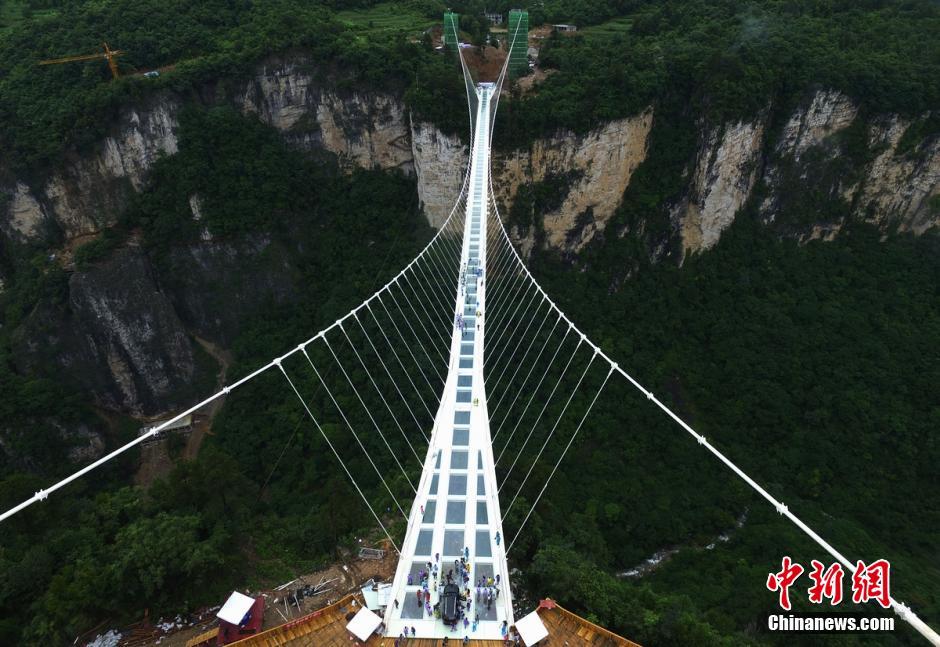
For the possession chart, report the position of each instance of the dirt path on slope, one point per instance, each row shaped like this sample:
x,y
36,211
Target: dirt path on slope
x,y
155,458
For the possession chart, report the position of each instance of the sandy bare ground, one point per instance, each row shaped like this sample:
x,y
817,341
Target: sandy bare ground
x,y
348,575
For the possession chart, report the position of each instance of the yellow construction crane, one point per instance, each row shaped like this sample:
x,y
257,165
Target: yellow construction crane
x,y
108,53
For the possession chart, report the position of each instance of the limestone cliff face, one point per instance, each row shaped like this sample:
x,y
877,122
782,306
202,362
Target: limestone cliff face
x,y
26,216
828,112
256,270
368,130
807,140
899,185
124,329
603,160
440,162
88,192
726,168
361,129
882,184
116,334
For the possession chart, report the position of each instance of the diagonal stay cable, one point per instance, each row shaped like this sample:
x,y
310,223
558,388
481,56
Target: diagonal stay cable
x,y
443,320
410,353
560,459
551,433
392,379
548,400
520,363
402,365
502,333
369,413
336,454
427,335
355,435
534,391
381,395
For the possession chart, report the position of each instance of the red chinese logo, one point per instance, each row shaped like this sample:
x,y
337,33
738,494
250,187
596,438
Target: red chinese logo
x,y
783,580
872,582
826,584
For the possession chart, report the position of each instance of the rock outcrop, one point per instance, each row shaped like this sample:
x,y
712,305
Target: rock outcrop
x,y
256,271
603,160
899,185
116,334
440,162
124,330
827,113
882,184
726,168
369,130
88,192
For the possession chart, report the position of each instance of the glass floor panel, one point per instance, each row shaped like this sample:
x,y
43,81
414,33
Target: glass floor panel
x,y
458,485
412,610
482,517
483,545
456,512
423,546
430,508
482,570
458,461
453,543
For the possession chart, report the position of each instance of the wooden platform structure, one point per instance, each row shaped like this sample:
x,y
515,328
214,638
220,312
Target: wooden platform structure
x,y
327,628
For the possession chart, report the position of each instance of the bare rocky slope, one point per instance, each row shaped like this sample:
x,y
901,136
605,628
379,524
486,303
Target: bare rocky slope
x,y
892,188
131,339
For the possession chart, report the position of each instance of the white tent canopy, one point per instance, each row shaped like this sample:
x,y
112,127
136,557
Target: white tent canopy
x,y
363,624
235,608
531,629
379,598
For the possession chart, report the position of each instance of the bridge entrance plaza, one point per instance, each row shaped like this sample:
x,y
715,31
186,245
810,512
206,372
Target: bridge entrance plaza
x,y
456,514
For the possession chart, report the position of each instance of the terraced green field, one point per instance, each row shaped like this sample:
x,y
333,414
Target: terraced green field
x,y
614,27
13,12
386,18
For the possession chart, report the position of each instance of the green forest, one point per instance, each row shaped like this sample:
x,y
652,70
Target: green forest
x,y
814,366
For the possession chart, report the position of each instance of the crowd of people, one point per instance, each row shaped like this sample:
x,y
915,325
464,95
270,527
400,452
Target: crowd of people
x,y
431,579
